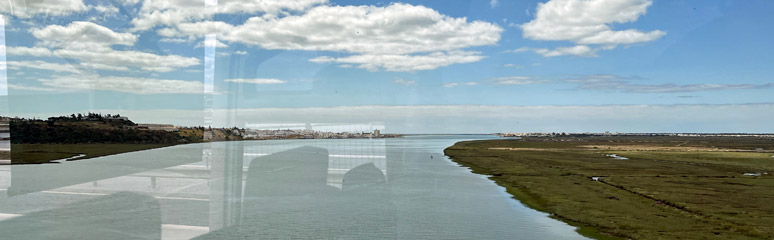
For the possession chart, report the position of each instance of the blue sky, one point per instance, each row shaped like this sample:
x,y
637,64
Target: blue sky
x,y
143,56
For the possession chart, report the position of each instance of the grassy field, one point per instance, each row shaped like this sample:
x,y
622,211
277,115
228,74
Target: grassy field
x,y
44,153
669,188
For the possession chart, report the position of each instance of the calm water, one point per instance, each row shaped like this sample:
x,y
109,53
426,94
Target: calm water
x,y
344,189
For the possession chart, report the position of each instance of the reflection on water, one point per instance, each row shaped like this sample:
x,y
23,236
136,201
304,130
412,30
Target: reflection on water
x,y
339,188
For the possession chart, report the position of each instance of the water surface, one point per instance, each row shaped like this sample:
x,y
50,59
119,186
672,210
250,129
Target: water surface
x,y
339,188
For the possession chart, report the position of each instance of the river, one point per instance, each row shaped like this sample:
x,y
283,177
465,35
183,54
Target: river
x,y
401,188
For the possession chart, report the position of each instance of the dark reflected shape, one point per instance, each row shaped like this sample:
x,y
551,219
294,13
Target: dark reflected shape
x,y
121,215
28,179
295,172
286,196
363,177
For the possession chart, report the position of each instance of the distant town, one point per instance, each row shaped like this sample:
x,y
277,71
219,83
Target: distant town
x,y
117,128
83,136
255,134
556,134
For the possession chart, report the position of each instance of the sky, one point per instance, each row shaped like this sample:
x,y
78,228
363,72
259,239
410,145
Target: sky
x,y
412,66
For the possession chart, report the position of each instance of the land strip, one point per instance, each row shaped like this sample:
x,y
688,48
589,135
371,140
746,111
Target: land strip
x,y
667,188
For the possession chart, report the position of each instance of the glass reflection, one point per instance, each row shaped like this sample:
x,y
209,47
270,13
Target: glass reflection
x,y
310,188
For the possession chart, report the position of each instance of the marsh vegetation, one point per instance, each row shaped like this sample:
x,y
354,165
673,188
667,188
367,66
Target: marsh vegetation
x,y
669,188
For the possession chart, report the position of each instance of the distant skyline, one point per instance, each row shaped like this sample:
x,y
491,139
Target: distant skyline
x,y
416,66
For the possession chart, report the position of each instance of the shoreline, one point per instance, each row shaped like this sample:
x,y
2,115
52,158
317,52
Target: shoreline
x,y
529,201
68,156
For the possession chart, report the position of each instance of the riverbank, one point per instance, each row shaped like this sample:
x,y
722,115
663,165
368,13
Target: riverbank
x,y
50,153
665,188
45,153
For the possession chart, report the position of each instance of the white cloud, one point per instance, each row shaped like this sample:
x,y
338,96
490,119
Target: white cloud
x,y
81,35
128,2
92,45
404,82
259,81
211,43
29,8
106,10
143,60
240,53
173,40
398,37
171,13
100,66
91,82
588,22
55,67
29,51
394,29
404,63
456,84
511,65
196,29
580,50
516,80
59,67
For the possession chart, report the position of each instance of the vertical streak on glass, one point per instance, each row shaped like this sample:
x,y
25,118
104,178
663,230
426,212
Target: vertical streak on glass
x,y
3,73
225,164
209,79
5,144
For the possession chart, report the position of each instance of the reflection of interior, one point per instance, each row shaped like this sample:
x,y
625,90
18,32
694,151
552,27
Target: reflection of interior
x,y
206,187
122,215
287,195
342,155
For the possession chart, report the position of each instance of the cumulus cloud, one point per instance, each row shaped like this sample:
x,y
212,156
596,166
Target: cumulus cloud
x,y
142,60
92,82
41,65
29,51
259,81
394,29
171,13
617,83
81,35
91,44
28,8
106,10
398,37
588,22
